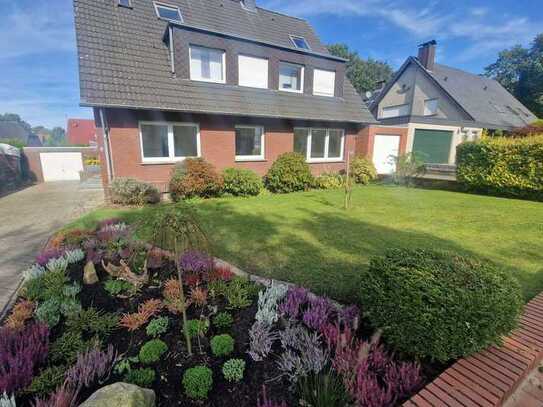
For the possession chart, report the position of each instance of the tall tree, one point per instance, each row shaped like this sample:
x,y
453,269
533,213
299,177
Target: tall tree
x,y
520,71
364,74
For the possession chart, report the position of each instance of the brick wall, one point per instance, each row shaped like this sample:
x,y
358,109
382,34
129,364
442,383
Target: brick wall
x,y
217,138
365,142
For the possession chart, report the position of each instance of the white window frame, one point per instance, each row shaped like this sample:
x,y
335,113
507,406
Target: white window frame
x,y
199,79
394,107
333,85
262,155
171,143
436,100
266,86
292,37
158,4
302,75
325,159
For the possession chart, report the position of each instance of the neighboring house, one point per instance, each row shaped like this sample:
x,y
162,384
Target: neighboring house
x,y
429,109
14,131
81,132
220,79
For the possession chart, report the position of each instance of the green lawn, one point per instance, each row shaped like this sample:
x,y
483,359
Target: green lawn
x,y
308,238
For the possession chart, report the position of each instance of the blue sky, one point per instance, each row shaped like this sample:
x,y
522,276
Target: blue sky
x,y
38,60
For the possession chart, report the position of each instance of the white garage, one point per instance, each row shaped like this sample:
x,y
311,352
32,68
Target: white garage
x,y
61,166
386,149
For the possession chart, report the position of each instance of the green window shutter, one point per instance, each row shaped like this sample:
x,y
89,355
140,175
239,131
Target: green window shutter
x,y
432,146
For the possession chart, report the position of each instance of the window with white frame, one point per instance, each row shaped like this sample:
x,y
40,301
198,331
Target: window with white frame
x,y
168,12
291,77
249,143
207,64
299,42
253,71
395,111
167,142
430,107
324,82
319,144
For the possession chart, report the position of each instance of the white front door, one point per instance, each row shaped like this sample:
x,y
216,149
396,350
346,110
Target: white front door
x,y
61,166
385,151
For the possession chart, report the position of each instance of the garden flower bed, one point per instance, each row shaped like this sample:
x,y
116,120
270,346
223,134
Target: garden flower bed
x,y
101,307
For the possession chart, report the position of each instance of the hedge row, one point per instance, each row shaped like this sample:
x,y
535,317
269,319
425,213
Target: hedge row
x,y
502,166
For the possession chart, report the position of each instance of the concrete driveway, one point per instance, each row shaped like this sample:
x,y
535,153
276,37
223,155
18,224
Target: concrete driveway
x,y
27,220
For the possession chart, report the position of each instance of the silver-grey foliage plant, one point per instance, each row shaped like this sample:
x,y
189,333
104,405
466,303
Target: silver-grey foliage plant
x,y
74,256
261,340
7,401
268,301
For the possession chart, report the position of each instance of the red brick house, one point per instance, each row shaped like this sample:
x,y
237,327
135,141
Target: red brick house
x,y
81,132
220,79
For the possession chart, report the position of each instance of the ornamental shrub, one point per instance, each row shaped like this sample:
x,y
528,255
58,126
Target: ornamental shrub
x,y
197,327
195,177
289,173
502,166
439,305
129,191
197,382
363,171
329,181
140,377
46,381
233,370
240,182
222,345
151,351
223,321
157,326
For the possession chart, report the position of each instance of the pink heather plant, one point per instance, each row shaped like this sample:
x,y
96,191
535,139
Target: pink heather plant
x,y
295,298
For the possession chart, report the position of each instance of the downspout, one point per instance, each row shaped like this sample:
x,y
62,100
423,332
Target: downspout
x,y
172,60
107,145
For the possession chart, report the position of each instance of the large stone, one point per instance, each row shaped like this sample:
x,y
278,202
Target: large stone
x,y
89,274
121,395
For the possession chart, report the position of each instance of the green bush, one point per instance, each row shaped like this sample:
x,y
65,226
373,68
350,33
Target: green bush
x,y
157,326
223,320
129,191
437,304
116,287
408,167
233,370
197,327
502,166
222,345
47,381
197,382
289,173
363,171
240,182
329,181
140,377
195,177
151,351
67,347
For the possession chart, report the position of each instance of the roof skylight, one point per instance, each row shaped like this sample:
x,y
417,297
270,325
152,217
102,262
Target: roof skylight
x,y
299,42
168,12
125,3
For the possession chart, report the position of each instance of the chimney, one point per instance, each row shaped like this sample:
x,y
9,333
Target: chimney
x,y
427,54
249,5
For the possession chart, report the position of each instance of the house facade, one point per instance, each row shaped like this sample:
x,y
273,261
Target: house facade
x,y
220,79
81,132
429,109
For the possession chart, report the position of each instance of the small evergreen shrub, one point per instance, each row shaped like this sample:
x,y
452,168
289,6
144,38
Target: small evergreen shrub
x,y
197,382
289,173
223,321
140,377
329,181
129,191
195,177
241,182
233,370
363,171
439,305
116,287
157,326
222,345
197,327
151,351
47,381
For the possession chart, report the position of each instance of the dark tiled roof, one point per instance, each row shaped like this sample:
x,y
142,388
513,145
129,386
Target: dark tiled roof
x,y
125,63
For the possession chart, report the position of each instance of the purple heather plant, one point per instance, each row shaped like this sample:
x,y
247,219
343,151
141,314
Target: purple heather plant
x,y
197,262
317,314
261,340
295,298
45,255
349,316
20,352
264,401
63,396
92,366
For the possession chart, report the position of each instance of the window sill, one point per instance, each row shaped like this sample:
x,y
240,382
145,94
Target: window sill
x,y
336,161
250,160
168,162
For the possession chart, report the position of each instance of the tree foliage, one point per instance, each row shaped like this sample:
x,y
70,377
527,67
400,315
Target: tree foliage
x,y
364,74
520,71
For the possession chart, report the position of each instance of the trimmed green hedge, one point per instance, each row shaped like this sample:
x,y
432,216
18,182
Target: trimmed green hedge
x,y
502,166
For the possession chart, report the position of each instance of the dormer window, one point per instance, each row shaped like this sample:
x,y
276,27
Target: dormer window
x,y
168,12
299,42
125,3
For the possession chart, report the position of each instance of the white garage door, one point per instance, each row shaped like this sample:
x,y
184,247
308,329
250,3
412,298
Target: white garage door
x,y
61,166
385,152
